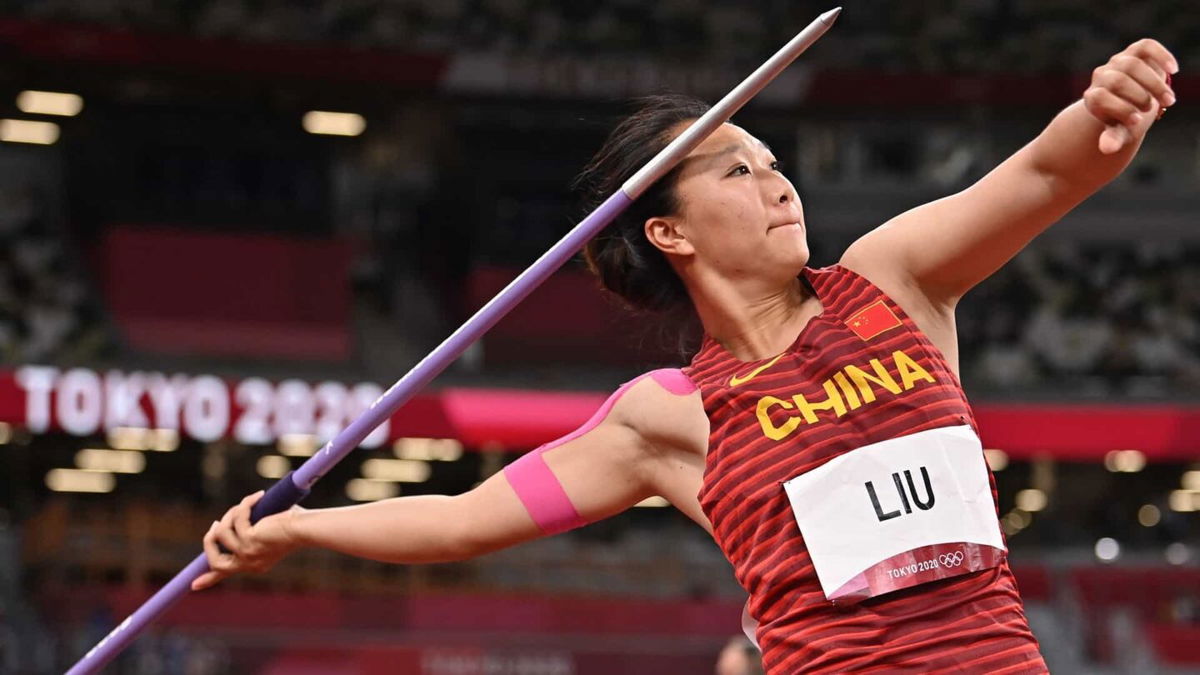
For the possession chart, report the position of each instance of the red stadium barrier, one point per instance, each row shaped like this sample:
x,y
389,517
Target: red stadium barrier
x,y
1085,432
1149,592
1034,582
1176,644
189,292
454,634
592,615
564,318
151,51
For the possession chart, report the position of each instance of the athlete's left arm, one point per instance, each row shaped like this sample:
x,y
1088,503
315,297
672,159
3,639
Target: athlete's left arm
x,y
943,248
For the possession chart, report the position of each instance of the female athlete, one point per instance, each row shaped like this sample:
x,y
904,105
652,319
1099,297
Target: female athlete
x,y
820,434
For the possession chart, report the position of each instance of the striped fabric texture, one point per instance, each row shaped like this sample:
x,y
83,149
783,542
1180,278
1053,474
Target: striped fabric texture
x,y
859,373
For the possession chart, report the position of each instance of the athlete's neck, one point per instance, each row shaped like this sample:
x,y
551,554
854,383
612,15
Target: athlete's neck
x,y
754,324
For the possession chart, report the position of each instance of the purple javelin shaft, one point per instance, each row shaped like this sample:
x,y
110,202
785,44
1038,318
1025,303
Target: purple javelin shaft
x,y
293,487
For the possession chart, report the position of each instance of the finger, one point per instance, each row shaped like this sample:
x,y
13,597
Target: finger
x,y
1155,51
1149,79
216,559
1110,108
241,522
226,536
250,500
1114,138
1128,89
207,580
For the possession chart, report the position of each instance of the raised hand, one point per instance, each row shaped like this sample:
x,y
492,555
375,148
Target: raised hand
x,y
1132,87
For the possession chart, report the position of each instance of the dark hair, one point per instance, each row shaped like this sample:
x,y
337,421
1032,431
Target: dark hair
x,y
625,261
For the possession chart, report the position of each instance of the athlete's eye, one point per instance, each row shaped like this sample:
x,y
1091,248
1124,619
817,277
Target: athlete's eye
x,y
740,170
777,165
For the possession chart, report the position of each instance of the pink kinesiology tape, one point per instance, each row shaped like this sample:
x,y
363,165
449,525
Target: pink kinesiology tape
x,y
538,487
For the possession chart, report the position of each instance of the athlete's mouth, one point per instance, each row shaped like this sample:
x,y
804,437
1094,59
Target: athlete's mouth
x,y
775,227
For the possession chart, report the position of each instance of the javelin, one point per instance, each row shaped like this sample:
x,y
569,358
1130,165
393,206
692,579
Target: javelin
x,y
295,486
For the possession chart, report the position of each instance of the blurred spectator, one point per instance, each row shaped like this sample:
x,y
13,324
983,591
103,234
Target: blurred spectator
x,y
1115,317
1185,608
1001,358
1015,35
45,310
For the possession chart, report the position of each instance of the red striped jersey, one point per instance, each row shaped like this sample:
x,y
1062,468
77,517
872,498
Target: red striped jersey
x,y
779,418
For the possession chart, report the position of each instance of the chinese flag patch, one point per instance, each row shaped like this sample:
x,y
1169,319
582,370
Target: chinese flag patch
x,y
873,320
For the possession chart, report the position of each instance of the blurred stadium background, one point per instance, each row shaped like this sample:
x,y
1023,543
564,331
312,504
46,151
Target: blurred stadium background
x,y
226,225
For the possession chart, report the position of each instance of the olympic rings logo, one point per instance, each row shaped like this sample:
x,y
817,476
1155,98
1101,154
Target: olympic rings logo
x,y
951,559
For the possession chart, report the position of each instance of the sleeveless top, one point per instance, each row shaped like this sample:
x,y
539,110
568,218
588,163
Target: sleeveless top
x,y
972,623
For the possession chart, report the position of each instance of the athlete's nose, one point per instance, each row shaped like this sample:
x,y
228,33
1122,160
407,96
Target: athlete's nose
x,y
781,188
786,192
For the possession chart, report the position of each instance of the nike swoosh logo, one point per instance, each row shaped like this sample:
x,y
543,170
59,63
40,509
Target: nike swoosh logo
x,y
739,380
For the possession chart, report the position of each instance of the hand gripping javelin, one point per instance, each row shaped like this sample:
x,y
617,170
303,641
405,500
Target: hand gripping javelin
x,y
293,487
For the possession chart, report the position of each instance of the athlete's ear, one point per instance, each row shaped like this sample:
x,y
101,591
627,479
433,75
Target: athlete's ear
x,y
668,236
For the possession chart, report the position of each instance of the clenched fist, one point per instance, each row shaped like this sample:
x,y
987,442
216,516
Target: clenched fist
x,y
1134,84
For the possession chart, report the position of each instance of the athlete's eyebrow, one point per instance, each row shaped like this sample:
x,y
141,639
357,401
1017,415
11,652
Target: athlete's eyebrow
x,y
710,158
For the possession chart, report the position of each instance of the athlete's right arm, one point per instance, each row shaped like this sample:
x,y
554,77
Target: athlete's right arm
x,y
613,462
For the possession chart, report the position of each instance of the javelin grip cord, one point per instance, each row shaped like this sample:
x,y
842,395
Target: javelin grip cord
x,y
282,496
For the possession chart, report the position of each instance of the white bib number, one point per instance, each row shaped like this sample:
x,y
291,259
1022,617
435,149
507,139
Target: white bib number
x,y
898,513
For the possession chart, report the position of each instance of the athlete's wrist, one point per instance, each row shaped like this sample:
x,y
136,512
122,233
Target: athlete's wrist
x,y
292,528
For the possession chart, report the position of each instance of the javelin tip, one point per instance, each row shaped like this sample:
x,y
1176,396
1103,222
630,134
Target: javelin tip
x,y
829,17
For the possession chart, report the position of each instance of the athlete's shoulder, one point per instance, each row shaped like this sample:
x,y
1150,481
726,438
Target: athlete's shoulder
x,y
673,380
663,406
665,386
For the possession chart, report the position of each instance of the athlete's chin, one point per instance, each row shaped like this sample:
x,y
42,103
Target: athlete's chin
x,y
795,247
786,270
799,258
783,260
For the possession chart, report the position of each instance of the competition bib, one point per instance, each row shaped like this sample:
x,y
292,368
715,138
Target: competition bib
x,y
899,513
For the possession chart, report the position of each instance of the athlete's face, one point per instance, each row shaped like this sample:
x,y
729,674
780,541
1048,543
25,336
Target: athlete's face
x,y
739,215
